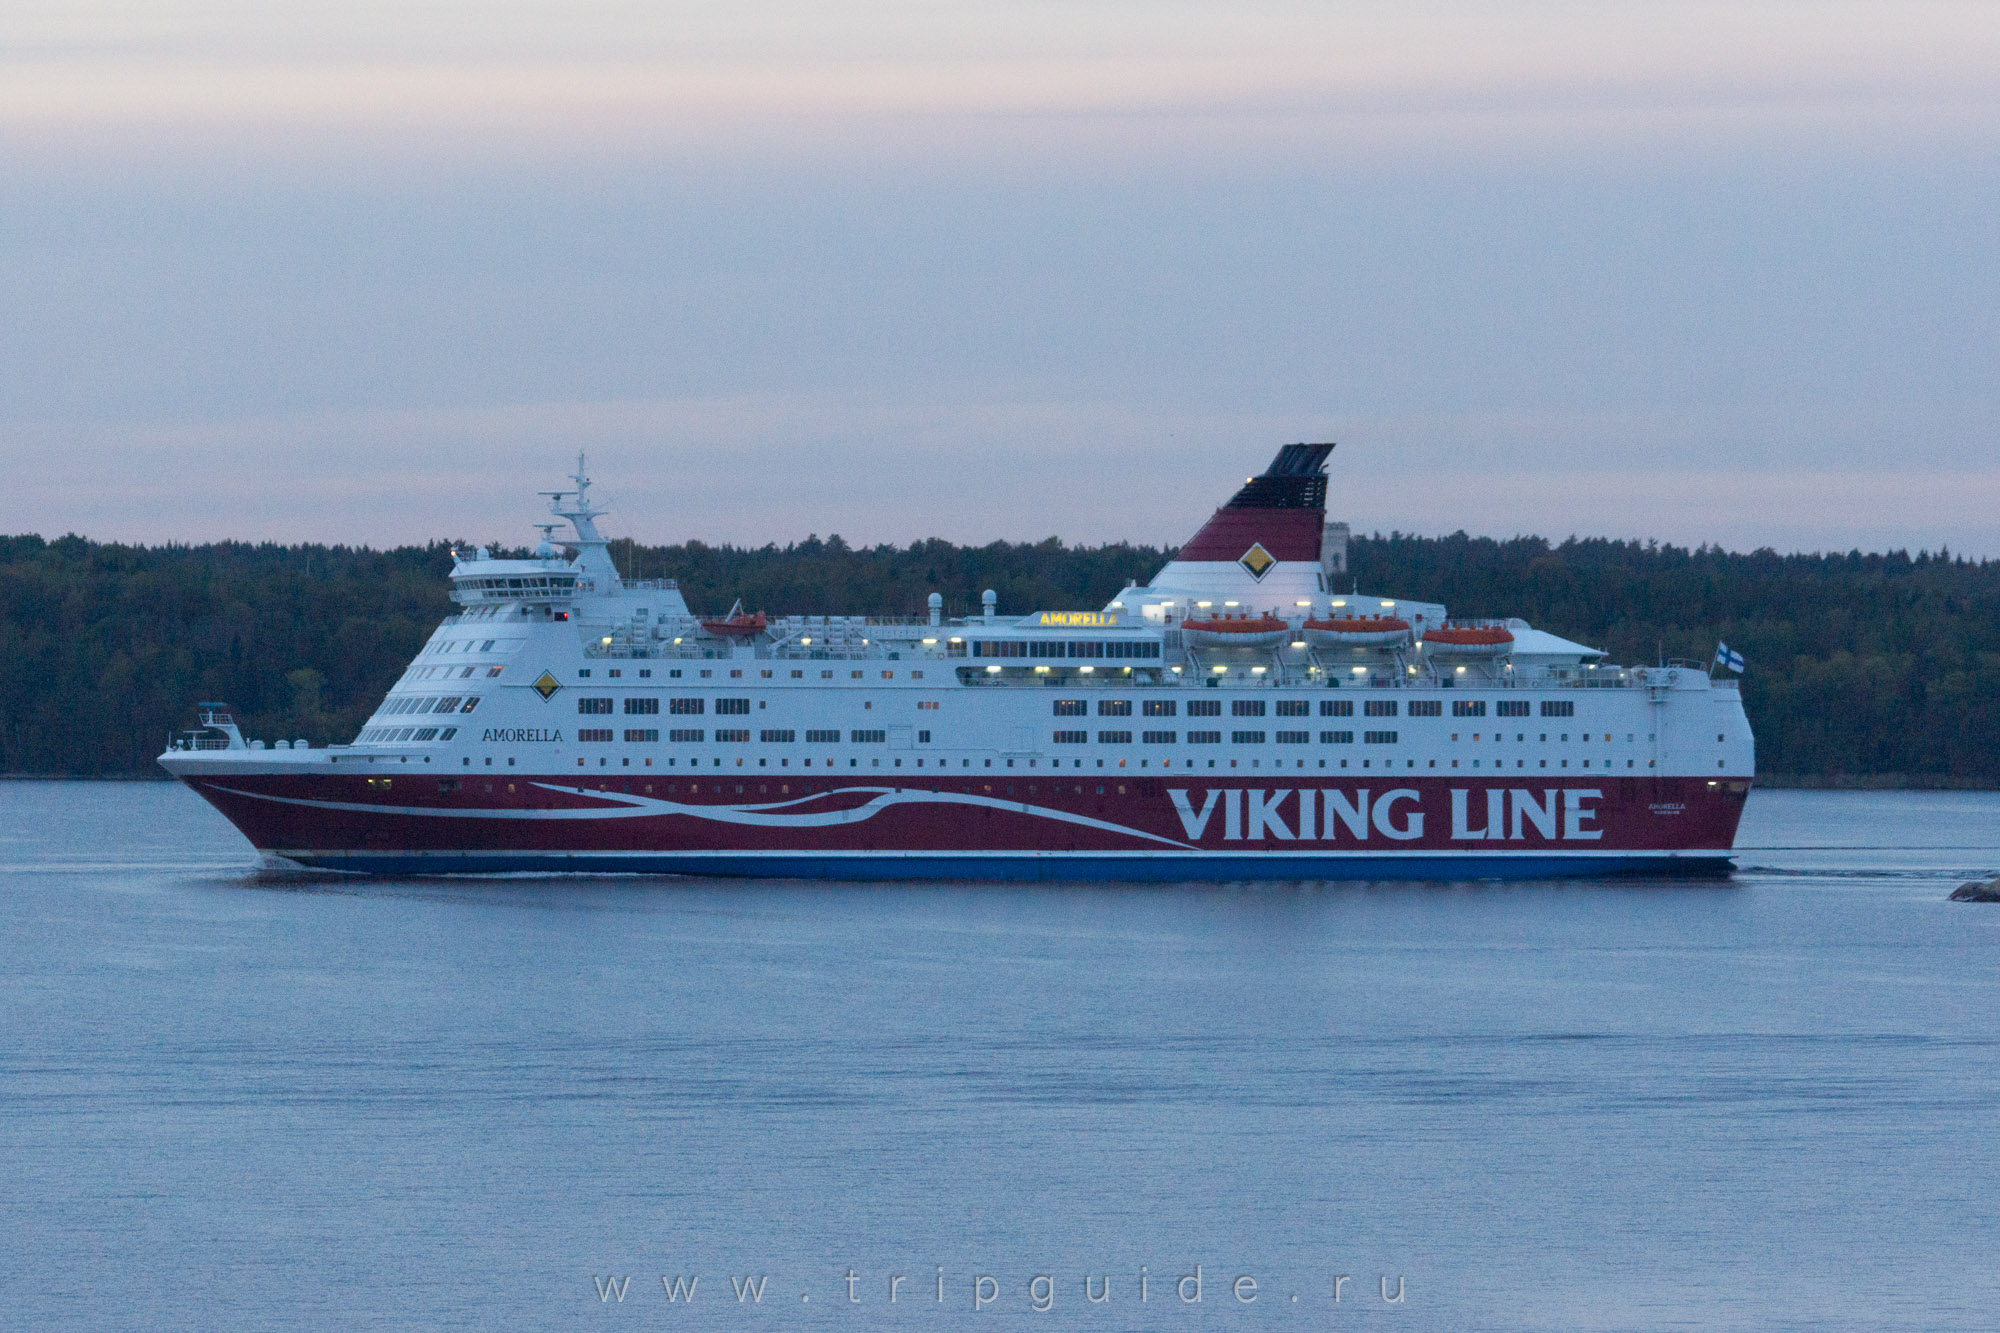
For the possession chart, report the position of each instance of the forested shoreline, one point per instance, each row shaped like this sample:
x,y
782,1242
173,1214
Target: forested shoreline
x,y
1862,667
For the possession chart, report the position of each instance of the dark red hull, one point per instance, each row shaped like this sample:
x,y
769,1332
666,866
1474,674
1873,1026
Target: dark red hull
x,y
985,826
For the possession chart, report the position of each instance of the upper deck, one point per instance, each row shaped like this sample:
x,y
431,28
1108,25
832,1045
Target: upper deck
x,y
1140,639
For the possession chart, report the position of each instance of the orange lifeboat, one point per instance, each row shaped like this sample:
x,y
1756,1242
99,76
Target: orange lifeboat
x,y
736,625
1468,641
1244,631
1357,632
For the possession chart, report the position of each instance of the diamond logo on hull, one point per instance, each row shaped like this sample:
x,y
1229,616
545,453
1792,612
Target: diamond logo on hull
x,y
1257,561
546,686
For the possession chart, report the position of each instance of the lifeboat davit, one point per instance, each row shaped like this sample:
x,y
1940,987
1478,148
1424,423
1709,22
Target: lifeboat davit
x,y
1468,641
736,625
1357,632
1236,631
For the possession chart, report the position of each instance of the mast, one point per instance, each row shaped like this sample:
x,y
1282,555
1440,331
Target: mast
x,y
593,553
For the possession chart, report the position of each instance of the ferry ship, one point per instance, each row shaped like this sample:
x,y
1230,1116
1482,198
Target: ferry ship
x,y
1239,717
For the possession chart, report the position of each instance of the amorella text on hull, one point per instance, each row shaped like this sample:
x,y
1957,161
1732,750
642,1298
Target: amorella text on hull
x,y
1237,717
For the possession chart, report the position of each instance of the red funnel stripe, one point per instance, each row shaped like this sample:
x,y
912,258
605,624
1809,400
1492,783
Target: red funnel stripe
x,y
1288,534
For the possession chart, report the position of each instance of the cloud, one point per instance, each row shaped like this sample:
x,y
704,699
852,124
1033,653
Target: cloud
x,y
753,469
525,79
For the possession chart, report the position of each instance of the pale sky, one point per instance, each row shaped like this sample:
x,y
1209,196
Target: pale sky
x,y
374,272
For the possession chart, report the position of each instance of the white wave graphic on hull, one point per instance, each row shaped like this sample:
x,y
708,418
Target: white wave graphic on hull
x,y
762,815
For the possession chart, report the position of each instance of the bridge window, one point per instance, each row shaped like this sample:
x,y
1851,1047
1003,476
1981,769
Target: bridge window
x,y
590,706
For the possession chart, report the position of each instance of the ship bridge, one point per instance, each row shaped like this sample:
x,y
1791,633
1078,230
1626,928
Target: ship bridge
x,y
482,580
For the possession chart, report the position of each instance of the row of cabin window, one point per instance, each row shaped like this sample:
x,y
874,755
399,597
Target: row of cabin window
x,y
439,703
593,706
393,735
735,673
726,736
1303,707
1215,738
1086,648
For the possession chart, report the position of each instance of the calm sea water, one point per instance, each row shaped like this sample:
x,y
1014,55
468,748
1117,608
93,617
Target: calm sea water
x,y
234,1103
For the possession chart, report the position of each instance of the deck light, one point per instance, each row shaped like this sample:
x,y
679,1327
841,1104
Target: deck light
x,y
807,642
1298,643
1085,670
1340,601
1361,671
930,641
1221,670
993,670
1258,671
1204,605
1041,671
1302,603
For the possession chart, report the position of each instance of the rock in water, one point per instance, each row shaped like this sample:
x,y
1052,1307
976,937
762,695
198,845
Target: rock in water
x,y
1977,891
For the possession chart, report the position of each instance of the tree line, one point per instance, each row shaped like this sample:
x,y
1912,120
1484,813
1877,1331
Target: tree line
x,y
1859,664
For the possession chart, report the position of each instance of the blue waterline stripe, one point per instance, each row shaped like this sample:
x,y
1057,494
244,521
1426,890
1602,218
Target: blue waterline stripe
x,y
1145,866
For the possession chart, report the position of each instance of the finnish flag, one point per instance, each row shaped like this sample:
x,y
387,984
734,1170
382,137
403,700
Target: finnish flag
x,y
1725,658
